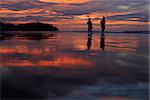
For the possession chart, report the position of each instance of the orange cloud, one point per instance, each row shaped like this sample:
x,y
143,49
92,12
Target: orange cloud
x,y
5,10
64,1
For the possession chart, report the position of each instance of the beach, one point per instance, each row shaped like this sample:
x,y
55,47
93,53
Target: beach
x,y
59,65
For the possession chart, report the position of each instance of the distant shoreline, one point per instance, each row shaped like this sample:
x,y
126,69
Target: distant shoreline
x,y
78,32
127,32
37,26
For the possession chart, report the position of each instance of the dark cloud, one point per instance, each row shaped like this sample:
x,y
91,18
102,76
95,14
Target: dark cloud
x,y
76,12
28,18
24,5
142,17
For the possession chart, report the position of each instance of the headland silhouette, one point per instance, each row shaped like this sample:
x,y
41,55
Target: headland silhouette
x,y
36,26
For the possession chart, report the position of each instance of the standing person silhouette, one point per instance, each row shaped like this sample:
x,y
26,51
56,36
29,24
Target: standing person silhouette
x,y
89,26
103,21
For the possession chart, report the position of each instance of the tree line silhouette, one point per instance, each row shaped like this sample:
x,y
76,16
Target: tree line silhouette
x,y
36,26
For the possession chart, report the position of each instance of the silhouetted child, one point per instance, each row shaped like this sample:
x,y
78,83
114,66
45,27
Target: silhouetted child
x,y
103,21
89,26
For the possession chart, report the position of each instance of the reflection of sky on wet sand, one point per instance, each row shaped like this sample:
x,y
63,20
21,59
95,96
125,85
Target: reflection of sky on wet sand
x,y
56,48
65,64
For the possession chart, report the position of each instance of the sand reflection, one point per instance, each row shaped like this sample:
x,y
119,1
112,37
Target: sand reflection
x,y
59,62
66,61
65,67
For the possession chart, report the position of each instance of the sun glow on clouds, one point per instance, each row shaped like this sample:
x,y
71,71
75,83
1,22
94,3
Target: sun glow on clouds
x,y
64,1
95,15
25,13
123,7
28,11
74,13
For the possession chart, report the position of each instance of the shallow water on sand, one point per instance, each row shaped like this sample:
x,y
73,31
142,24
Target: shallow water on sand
x,y
61,66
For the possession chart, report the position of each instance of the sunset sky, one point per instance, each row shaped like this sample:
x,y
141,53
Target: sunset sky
x,y
71,15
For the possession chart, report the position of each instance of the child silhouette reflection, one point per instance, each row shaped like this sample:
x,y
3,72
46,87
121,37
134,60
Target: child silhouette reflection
x,y
89,42
102,42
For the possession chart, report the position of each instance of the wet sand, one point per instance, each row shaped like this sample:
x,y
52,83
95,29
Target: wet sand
x,y
59,65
